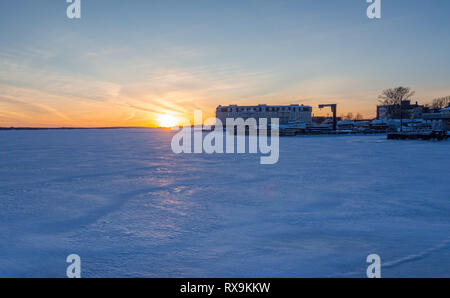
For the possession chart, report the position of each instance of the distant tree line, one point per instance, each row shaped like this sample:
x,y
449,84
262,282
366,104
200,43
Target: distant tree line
x,y
394,96
440,103
350,116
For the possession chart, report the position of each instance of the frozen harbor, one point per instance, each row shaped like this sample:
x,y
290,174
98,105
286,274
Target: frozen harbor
x,y
131,208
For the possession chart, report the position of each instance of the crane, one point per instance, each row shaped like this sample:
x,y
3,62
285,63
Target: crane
x,y
334,110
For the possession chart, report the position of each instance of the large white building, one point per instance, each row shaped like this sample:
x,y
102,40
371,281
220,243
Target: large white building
x,y
286,114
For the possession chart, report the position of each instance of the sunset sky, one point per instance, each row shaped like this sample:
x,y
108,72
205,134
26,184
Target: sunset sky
x,y
126,63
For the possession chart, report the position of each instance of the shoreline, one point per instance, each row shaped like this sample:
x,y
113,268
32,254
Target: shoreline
x,y
76,128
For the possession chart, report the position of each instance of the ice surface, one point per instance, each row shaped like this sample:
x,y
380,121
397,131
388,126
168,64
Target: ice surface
x,y
131,208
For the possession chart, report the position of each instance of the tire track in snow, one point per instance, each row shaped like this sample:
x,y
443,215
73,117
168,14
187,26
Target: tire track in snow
x,y
416,257
409,258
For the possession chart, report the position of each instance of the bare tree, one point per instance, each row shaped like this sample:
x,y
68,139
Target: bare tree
x,y
359,117
348,117
440,103
395,96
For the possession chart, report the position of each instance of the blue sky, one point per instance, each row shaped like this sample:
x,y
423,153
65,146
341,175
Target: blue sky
x,y
126,62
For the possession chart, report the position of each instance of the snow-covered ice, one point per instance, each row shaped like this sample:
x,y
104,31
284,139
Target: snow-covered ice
x,y
131,208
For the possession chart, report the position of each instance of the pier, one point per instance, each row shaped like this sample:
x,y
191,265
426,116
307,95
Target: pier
x,y
418,135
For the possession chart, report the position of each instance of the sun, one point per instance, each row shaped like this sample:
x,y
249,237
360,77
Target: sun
x,y
167,121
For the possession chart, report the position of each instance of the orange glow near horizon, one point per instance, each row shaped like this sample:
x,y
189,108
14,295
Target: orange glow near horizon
x,y
167,121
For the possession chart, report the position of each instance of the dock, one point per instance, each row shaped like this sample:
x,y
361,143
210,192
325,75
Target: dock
x,y
418,135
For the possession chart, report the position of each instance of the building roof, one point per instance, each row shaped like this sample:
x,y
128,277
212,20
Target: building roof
x,y
264,105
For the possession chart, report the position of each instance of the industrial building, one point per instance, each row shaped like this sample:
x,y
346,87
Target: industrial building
x,y
286,114
407,111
